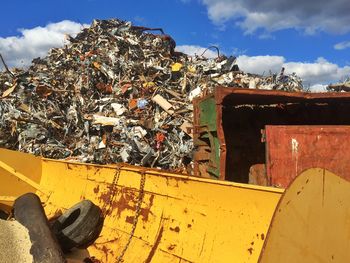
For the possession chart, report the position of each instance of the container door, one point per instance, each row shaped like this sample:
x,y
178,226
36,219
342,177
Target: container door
x,y
292,149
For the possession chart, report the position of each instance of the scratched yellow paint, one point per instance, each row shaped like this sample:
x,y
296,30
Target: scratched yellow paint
x,y
183,219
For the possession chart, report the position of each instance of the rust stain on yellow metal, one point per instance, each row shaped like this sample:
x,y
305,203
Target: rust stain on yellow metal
x,y
182,218
312,221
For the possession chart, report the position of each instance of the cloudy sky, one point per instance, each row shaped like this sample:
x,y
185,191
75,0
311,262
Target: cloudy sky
x,y
311,38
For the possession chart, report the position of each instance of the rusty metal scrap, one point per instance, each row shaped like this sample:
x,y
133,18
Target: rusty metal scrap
x,y
115,94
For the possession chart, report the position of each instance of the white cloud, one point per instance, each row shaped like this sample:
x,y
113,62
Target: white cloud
x,y
318,88
193,50
316,75
35,42
342,45
318,72
272,15
260,64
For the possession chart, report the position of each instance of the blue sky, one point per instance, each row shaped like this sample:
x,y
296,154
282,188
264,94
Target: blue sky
x,y
265,35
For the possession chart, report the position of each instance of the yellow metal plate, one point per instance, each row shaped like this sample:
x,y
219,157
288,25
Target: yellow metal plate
x,y
183,219
312,221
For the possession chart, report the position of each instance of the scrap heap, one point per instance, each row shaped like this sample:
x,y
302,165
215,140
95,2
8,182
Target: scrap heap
x,y
116,93
340,87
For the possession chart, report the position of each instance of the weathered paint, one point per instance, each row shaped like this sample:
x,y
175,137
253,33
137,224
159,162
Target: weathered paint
x,y
183,219
205,129
311,222
214,164
293,149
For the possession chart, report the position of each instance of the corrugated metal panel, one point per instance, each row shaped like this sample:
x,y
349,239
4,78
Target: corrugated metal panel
x,y
292,149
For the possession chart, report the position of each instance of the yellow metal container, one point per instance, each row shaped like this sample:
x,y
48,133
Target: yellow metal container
x,y
180,219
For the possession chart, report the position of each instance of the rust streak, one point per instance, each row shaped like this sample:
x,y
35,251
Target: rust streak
x,y
323,184
176,229
146,211
175,256
155,246
97,189
106,242
129,219
105,198
171,247
105,251
205,235
127,201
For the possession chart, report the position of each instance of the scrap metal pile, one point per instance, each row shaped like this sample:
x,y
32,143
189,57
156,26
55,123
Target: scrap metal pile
x,y
340,87
116,93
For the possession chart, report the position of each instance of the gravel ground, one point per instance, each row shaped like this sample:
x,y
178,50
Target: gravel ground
x,y
15,243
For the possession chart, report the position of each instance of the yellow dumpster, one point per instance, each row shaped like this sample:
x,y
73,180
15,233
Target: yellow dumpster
x,y
150,215
155,216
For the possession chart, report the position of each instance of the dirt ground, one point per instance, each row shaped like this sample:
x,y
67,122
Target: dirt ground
x,y
15,243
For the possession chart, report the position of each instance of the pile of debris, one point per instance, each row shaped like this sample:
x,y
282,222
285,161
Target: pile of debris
x,y
340,87
116,93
